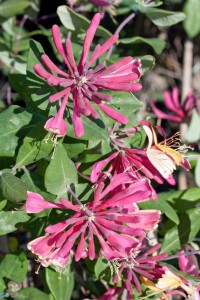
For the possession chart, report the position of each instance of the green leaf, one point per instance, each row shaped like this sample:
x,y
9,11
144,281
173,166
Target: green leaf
x,y
14,124
162,17
34,146
171,242
14,62
95,130
148,63
197,172
193,133
8,8
163,206
77,22
2,285
189,225
38,88
14,266
102,269
60,285
31,293
10,219
60,172
157,44
191,23
12,188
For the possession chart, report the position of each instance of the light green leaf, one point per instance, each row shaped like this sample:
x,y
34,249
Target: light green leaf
x,y
14,124
34,146
191,23
197,173
157,44
14,266
162,17
193,133
2,285
31,293
148,63
60,172
9,8
60,285
17,64
12,188
189,225
10,219
77,22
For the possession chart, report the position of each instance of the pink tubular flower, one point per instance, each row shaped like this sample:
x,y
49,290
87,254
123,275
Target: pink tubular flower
x,y
84,83
156,162
114,293
188,262
117,229
143,264
180,112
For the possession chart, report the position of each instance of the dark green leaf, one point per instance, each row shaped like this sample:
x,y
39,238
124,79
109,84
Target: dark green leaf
x,y
12,188
14,266
60,172
60,285
157,44
10,219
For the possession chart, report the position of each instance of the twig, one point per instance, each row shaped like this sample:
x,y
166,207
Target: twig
x,y
121,26
186,85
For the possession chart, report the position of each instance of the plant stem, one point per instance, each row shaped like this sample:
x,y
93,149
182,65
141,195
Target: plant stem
x,y
121,26
76,199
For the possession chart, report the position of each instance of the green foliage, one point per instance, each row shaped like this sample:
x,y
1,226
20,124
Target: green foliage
x,y
60,172
15,122
77,22
12,188
157,44
8,8
60,285
191,23
10,220
14,266
31,293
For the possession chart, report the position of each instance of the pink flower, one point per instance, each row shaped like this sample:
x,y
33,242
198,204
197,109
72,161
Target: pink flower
x,y
101,3
188,262
114,293
180,112
143,264
117,229
156,162
57,123
83,82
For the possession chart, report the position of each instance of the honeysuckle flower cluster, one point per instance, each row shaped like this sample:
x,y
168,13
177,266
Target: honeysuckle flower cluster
x,y
157,161
85,83
111,225
178,112
116,222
